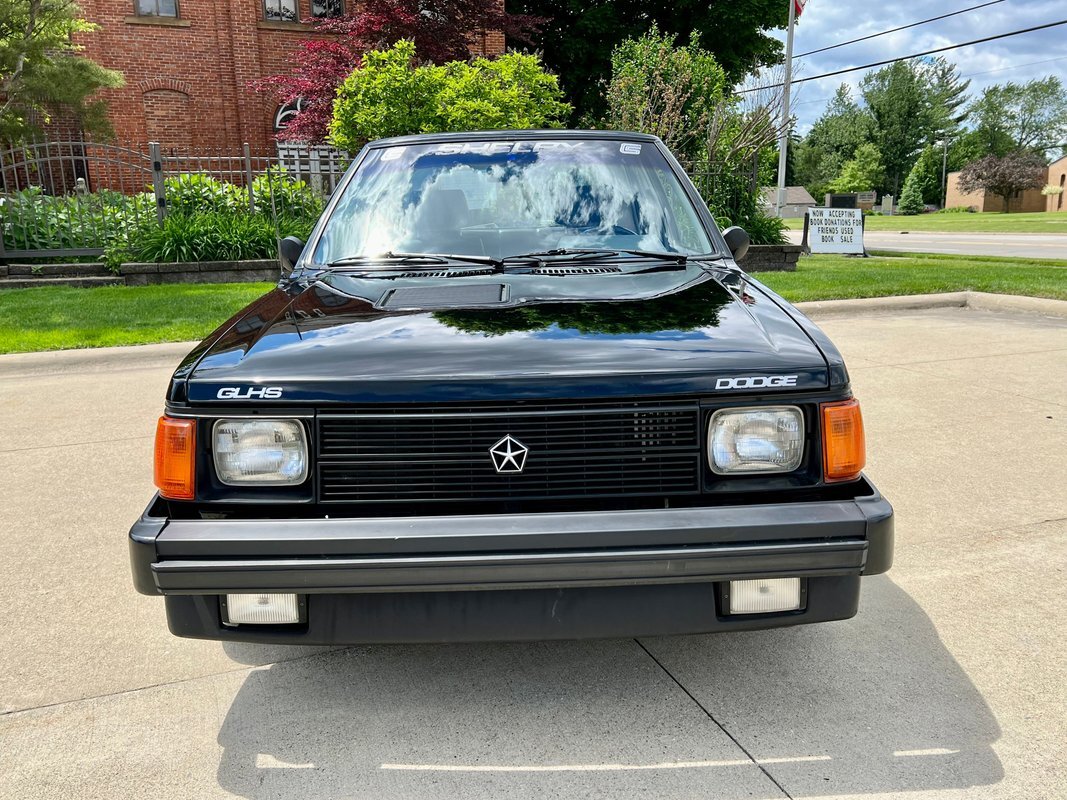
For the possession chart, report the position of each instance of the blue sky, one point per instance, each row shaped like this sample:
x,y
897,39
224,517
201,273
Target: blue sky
x,y
827,22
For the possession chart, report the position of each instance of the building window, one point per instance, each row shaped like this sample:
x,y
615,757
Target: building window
x,y
286,112
280,11
327,9
156,8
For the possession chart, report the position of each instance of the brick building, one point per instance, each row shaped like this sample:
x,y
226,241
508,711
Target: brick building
x,y
1030,200
1057,176
188,63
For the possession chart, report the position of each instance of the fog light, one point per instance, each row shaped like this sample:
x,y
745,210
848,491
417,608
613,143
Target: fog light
x,y
260,609
764,595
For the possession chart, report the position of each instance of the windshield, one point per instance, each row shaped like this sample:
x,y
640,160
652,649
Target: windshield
x,y
510,197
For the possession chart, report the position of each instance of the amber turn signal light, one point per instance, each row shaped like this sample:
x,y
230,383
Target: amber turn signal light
x,y
844,450
176,458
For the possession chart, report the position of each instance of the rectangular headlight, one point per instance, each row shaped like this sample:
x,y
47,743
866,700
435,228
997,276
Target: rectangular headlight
x,y
764,596
260,452
759,439
260,609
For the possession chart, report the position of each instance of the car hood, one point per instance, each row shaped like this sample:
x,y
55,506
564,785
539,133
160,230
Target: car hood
x,y
500,338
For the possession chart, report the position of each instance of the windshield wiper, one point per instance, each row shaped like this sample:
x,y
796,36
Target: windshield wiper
x,y
591,254
534,261
408,259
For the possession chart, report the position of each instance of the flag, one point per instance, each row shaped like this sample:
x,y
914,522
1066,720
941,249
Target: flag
x,y
799,6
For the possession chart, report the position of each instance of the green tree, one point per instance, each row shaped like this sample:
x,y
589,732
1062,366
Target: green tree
x,y
1028,116
665,90
946,99
578,37
862,172
911,198
913,104
832,141
978,143
41,73
391,95
928,169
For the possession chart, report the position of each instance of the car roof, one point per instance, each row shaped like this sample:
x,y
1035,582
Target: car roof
x,y
497,135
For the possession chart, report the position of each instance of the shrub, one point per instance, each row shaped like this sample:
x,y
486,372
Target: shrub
x,y
390,95
764,229
196,192
668,91
211,236
290,196
35,221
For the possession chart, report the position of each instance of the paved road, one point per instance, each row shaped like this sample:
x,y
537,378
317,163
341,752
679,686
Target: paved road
x,y
1022,245
950,683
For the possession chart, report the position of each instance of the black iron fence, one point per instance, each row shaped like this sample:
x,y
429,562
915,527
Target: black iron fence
x,y
72,198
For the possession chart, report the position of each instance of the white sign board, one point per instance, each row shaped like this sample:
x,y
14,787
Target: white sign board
x,y
834,230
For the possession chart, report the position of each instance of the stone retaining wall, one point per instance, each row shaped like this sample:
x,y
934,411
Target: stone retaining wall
x,y
143,274
771,258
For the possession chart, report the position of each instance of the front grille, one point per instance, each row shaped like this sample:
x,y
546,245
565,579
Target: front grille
x,y
575,450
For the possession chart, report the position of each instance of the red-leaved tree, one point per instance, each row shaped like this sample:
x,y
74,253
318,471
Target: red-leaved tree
x,y
442,31
1005,176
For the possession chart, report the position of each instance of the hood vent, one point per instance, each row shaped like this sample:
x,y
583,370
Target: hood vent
x,y
430,297
574,270
469,273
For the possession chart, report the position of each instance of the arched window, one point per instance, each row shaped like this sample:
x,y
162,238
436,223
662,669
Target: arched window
x,y
284,115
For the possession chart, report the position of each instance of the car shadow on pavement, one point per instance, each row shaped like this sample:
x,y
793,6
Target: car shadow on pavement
x,y
872,705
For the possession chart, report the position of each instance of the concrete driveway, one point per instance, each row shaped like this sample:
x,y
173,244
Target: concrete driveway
x,y
951,682
1020,245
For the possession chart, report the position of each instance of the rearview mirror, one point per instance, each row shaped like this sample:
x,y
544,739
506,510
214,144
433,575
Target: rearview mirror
x,y
289,250
737,240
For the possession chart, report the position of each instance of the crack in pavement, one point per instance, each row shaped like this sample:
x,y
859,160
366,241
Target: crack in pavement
x,y
718,724
11,712
76,444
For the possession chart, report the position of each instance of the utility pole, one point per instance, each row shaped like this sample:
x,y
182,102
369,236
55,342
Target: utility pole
x,y
783,140
944,171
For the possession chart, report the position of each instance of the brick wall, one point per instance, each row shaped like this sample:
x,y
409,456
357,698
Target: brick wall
x,y
1057,176
187,78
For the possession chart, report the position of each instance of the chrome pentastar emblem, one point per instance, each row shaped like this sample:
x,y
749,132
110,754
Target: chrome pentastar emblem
x,y
509,455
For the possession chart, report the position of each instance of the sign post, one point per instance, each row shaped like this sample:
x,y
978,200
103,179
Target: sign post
x,y
834,230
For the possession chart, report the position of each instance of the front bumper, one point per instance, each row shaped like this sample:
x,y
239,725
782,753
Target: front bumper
x,y
405,578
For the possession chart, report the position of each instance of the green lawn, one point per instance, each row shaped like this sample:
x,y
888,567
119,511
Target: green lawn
x,y
59,317
54,318
826,277
989,222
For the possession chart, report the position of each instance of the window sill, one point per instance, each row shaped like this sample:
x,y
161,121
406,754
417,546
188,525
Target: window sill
x,y
273,25
166,22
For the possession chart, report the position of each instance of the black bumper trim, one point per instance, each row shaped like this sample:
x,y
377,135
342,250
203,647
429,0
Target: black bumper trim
x,y
512,570
320,555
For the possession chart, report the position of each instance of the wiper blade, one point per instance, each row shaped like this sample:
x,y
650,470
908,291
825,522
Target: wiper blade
x,y
590,254
408,259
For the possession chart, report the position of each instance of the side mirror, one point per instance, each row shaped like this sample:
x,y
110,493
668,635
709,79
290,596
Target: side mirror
x,y
737,240
289,250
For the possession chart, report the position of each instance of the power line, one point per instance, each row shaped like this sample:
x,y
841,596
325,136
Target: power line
x,y
907,57
1013,66
828,98
901,28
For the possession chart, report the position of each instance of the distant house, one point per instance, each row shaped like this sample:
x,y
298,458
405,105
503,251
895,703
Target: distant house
x,y
797,200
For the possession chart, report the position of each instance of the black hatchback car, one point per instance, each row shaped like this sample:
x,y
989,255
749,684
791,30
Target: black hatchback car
x,y
514,386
